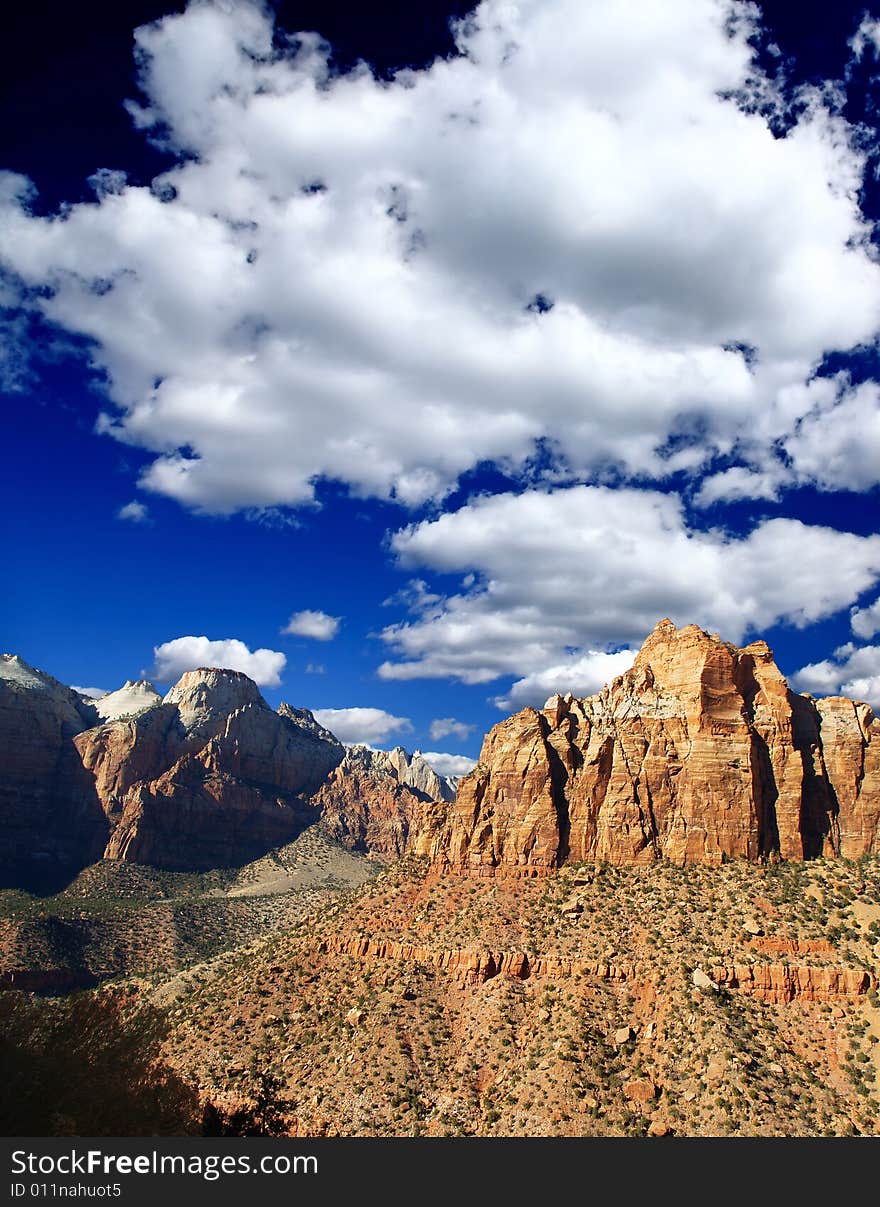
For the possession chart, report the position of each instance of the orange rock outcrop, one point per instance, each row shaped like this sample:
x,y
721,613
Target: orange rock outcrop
x,y
770,982
699,753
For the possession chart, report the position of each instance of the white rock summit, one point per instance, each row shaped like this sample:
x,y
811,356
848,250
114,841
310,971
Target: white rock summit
x,y
134,697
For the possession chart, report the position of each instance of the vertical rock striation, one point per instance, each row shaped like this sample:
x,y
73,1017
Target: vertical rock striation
x,y
699,753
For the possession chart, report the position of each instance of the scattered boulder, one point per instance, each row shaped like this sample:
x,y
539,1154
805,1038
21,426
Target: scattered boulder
x,y
640,1089
716,1068
702,981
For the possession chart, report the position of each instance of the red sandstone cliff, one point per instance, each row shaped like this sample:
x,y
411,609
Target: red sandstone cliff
x,y
51,821
209,777
697,754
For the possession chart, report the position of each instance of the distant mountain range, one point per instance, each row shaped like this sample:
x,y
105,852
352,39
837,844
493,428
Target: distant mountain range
x,y
206,776
698,754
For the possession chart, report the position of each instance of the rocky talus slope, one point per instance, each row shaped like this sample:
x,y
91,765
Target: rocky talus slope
x,y
737,1000
699,753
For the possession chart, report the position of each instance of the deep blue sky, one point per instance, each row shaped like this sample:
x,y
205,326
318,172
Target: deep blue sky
x,y
87,596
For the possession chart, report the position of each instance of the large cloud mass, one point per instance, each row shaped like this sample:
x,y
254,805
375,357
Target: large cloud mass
x,y
579,229
563,574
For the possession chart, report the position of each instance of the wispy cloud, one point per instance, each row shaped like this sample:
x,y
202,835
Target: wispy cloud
x,y
135,512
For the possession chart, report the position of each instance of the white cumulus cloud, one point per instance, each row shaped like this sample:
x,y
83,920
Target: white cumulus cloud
x,y
739,482
853,671
313,624
444,727
449,764
188,653
589,568
581,675
361,726
339,278
865,622
837,445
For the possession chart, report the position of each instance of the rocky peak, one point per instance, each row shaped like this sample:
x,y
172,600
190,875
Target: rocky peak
x,y
305,719
15,670
409,770
135,696
386,802
209,692
699,753
73,711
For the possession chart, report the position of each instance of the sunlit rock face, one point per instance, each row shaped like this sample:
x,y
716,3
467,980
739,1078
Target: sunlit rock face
x,y
698,754
209,777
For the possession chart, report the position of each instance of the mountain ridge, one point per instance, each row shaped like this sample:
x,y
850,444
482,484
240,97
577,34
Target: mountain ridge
x,y
699,753
208,775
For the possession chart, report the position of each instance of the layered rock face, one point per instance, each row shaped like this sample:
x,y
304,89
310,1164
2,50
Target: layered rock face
x,y
209,777
771,982
384,802
52,820
698,754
